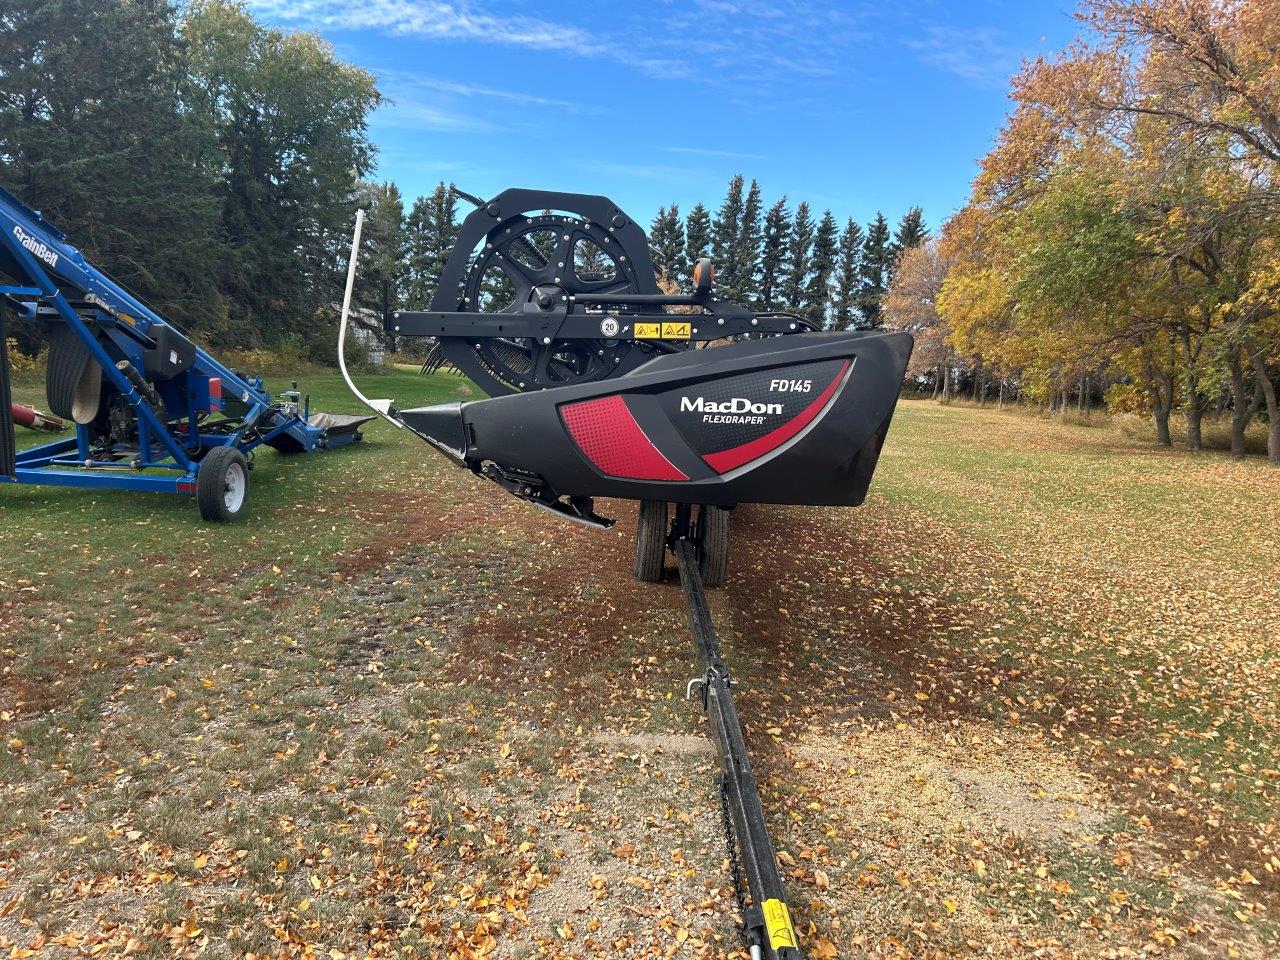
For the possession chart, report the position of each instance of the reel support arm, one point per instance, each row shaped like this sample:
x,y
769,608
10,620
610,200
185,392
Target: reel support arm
x,y
770,933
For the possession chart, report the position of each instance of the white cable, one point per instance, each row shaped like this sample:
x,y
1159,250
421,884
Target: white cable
x,y
381,407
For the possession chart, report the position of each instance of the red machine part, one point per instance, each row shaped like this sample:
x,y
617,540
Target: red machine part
x,y
33,419
22,416
726,460
606,432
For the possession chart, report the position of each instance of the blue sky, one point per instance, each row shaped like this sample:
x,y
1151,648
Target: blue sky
x,y
856,106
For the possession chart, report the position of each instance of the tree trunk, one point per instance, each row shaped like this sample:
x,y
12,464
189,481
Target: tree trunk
x,y
1000,404
946,384
1273,408
1194,402
1160,387
1084,392
1243,407
1162,426
1194,414
937,381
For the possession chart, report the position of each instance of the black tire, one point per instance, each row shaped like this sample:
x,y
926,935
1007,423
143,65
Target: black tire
x,y
713,559
651,541
73,380
222,485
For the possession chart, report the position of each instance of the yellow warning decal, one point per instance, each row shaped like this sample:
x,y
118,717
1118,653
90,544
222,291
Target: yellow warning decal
x,y
648,331
128,319
677,331
777,921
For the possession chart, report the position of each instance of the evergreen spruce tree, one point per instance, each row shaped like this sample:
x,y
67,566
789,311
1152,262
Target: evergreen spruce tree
x,y
202,159
874,272
818,289
444,228
798,252
290,124
379,283
697,235
666,245
419,285
749,253
773,254
93,132
847,273
430,231
725,235
911,232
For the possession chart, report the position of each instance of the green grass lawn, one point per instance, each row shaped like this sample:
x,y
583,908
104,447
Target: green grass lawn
x,y
1022,703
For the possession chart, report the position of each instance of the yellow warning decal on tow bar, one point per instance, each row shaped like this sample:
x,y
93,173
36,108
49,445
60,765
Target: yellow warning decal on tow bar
x,y
777,921
664,331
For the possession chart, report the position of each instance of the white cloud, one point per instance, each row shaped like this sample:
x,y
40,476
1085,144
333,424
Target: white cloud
x,y
738,44
705,152
398,83
408,114
982,56
423,18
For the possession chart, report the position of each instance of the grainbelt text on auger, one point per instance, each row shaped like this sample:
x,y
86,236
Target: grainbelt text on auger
x,y
598,388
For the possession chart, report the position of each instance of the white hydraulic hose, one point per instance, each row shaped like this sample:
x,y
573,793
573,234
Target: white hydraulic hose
x,y
381,407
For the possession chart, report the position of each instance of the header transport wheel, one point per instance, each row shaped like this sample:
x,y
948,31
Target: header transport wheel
x,y
222,485
651,541
713,536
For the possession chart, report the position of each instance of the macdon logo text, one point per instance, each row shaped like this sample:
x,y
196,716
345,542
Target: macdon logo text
x,y
735,405
733,410
38,249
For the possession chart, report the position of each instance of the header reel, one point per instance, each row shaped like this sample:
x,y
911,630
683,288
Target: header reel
x,y
546,289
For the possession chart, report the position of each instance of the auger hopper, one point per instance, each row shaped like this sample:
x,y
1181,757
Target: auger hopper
x,y
603,385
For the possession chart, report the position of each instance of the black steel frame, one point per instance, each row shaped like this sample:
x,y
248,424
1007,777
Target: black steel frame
x,y
770,933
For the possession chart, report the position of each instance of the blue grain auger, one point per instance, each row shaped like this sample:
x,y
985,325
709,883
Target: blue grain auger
x,y
153,411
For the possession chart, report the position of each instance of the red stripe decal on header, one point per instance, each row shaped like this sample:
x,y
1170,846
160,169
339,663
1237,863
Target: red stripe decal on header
x,y
734,457
606,432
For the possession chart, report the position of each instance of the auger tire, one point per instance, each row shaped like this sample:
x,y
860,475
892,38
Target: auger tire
x,y
222,485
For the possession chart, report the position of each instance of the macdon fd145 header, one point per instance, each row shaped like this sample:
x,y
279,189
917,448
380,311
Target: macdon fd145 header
x,y
599,387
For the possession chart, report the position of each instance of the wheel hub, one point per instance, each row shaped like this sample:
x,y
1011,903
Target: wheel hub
x,y
233,487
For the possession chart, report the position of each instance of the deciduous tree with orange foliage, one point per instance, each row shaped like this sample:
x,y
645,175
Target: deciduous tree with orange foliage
x,y
1126,225
911,303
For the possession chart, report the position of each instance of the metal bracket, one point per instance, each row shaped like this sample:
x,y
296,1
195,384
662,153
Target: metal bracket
x,y
695,682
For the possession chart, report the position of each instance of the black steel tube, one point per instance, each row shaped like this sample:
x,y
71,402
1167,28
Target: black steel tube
x,y
768,921
661,299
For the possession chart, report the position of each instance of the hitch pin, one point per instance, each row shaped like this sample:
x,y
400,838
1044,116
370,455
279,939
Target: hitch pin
x,y
695,682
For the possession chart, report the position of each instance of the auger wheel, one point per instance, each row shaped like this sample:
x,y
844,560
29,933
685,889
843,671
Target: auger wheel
x,y
541,258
